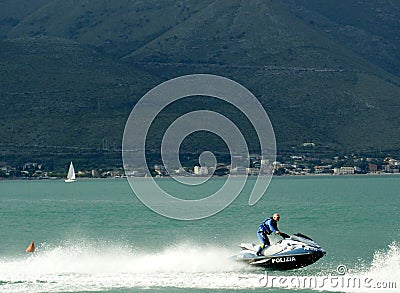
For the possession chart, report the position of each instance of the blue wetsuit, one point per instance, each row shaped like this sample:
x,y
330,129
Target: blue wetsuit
x,y
266,228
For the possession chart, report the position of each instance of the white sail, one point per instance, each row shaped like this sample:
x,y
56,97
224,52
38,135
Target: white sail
x,y
71,174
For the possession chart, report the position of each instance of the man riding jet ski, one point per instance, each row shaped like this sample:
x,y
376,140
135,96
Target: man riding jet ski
x,y
292,252
269,226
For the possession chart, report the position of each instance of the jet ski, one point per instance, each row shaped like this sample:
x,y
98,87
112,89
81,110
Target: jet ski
x,y
294,252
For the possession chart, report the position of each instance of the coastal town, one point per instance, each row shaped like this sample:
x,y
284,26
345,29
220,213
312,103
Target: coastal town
x,y
295,165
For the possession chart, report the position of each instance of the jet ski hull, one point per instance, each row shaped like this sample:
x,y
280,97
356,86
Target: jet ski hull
x,y
283,262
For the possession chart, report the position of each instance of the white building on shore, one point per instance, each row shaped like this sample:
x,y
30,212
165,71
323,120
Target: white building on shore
x,y
343,171
200,171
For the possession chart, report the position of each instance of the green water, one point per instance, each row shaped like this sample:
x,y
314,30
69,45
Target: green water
x,y
96,235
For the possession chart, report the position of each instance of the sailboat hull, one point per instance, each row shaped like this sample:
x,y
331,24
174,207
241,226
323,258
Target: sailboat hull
x,y
69,180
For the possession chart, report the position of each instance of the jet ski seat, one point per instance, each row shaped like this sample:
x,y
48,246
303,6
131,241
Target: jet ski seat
x,y
270,250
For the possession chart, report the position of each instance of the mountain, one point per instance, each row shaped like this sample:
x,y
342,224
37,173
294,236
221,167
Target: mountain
x,y
369,28
72,70
310,85
60,97
117,27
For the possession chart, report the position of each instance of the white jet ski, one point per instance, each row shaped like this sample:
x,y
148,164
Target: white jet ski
x,y
294,252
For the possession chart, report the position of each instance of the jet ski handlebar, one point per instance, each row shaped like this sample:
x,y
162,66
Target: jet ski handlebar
x,y
284,235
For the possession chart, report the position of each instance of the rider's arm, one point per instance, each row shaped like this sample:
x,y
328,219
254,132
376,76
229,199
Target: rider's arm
x,y
274,229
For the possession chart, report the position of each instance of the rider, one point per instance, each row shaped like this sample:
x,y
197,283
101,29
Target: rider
x,y
269,226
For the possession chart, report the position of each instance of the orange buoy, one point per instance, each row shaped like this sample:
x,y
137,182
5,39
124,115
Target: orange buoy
x,y
31,247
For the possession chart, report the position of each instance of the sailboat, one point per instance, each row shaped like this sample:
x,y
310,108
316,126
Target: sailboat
x,y
71,174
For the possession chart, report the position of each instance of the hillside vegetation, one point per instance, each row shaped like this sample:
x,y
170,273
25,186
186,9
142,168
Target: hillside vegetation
x,y
71,71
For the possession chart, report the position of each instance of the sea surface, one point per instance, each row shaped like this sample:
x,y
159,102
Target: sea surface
x,y
95,235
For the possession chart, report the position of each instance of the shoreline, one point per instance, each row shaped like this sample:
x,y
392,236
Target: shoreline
x,y
197,177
